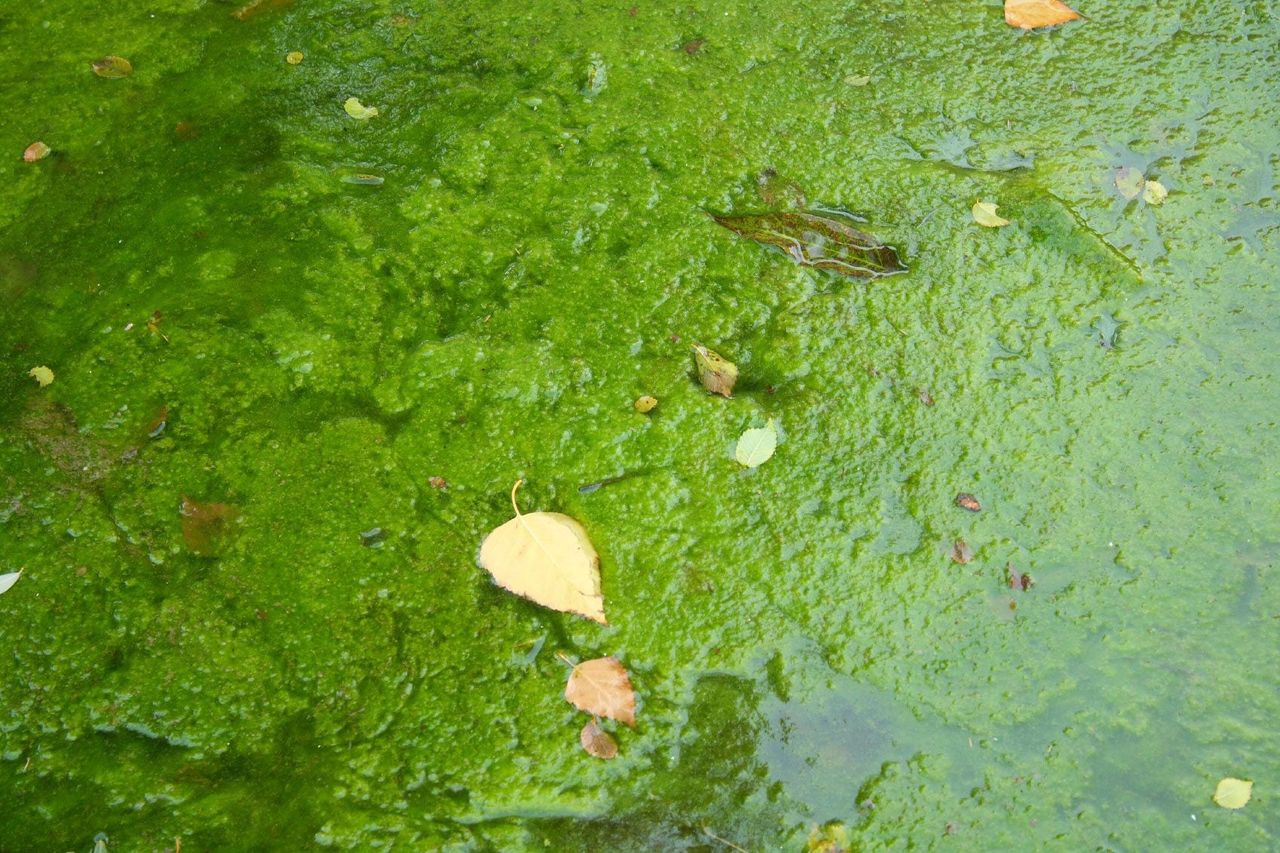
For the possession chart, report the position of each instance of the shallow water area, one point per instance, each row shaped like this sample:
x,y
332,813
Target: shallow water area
x,y
301,352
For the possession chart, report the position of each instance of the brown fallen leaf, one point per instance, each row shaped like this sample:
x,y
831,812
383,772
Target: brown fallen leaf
x,y
964,500
1033,14
602,687
437,482
206,527
547,558
961,552
596,741
35,152
822,239
1016,580
716,373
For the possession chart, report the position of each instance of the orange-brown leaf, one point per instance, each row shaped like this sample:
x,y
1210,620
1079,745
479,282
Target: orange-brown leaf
x,y
596,741
602,687
1033,14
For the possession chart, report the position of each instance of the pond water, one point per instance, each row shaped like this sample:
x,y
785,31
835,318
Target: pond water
x,y
300,358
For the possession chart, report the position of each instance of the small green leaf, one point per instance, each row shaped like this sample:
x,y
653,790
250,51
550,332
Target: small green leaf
x,y
755,446
819,240
359,111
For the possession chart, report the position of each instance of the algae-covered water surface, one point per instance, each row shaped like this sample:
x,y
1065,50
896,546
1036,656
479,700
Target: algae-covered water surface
x,y
300,354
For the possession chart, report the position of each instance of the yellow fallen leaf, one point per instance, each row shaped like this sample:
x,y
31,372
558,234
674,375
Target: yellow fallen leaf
x,y
1153,192
112,67
294,57
42,375
716,373
1033,14
596,741
357,110
756,446
984,213
1233,793
602,687
547,558
646,404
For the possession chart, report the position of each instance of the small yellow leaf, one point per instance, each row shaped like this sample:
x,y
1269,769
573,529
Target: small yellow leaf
x,y
984,213
596,741
602,687
858,79
547,558
1154,193
756,446
1233,793
645,404
42,375
112,67
357,110
716,373
294,57
1033,14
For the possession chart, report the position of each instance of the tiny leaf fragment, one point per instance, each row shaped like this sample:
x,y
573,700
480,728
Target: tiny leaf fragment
x,y
42,375
984,213
294,57
1033,14
602,687
547,558
35,152
357,110
112,67
1233,793
8,580
756,446
645,404
1153,192
716,373
596,741
822,240
1129,181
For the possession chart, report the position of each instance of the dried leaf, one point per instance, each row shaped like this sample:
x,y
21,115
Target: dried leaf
x,y
645,404
207,527
8,580
1033,14
1233,793
357,110
596,741
984,213
1153,192
42,375
602,687
1016,580
256,7
818,240
961,552
547,558
1129,182
964,500
294,57
35,152
112,67
716,373
755,446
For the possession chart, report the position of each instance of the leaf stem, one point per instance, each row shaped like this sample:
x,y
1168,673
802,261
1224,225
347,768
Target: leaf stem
x,y
514,489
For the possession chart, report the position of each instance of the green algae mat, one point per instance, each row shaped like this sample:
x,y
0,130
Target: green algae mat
x,y
306,287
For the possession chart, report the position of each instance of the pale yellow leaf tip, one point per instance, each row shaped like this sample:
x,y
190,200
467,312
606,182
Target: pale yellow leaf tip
x,y
1233,793
984,213
1154,193
8,580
